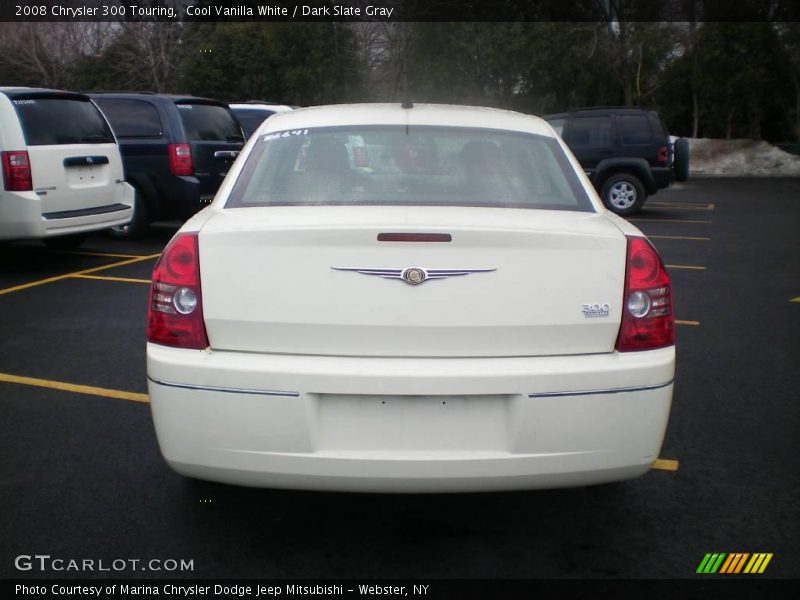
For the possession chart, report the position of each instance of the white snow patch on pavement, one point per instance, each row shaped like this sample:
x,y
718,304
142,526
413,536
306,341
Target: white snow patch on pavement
x,y
740,158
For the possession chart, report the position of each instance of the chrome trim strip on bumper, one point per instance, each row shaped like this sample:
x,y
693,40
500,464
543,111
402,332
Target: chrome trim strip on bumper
x,y
227,390
623,390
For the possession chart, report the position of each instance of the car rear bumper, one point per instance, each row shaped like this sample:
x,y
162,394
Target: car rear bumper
x,y
409,425
179,197
662,178
21,216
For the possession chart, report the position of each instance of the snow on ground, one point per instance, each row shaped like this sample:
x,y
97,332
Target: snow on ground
x,y
742,158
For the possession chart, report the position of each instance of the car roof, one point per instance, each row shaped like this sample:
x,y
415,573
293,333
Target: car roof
x,y
599,109
448,115
259,106
13,91
176,98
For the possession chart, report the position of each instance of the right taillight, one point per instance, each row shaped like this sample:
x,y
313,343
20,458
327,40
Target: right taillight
x,y
647,318
175,315
663,156
17,171
180,159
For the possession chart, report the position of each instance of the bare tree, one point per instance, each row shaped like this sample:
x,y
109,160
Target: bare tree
x,y
44,54
147,55
384,47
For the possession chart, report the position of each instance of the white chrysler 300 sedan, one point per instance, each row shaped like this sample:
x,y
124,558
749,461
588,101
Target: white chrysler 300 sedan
x,y
424,299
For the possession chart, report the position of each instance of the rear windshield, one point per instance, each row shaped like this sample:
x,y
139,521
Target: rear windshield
x,y
51,121
435,166
251,118
131,118
209,122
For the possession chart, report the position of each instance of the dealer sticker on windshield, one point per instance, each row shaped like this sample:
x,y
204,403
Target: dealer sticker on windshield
x,y
284,134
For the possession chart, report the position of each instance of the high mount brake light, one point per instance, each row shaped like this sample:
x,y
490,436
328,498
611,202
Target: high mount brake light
x,y
647,318
175,312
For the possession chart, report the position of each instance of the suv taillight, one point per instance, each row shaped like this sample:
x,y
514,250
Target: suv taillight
x,y
647,319
175,314
17,171
663,156
180,159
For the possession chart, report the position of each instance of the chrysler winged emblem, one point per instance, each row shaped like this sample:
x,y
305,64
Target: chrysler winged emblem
x,y
413,275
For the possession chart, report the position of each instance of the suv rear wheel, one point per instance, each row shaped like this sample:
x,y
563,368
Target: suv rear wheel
x,y
623,194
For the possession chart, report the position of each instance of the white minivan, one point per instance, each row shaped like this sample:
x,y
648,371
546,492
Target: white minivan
x,y
62,174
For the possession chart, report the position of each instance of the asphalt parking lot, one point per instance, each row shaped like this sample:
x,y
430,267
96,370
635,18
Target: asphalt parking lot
x,y
82,476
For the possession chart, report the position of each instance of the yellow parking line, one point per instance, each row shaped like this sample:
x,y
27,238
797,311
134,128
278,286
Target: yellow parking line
x,y
678,237
694,323
665,464
671,207
123,279
690,267
71,387
87,253
121,263
689,205
671,203
654,220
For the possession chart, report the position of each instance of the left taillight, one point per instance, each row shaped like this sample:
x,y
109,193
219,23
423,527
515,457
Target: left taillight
x,y
175,313
17,171
647,318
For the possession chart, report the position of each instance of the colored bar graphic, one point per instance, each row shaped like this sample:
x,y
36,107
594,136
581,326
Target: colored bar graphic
x,y
733,563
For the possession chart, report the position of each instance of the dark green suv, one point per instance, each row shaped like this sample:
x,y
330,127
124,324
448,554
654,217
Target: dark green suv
x,y
625,151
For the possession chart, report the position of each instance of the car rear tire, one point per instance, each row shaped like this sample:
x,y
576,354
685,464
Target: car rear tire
x,y
623,194
680,162
65,242
138,225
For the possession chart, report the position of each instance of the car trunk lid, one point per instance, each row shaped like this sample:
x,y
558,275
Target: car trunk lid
x,y
305,280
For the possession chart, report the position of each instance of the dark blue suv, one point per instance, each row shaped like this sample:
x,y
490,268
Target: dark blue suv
x,y
625,152
175,150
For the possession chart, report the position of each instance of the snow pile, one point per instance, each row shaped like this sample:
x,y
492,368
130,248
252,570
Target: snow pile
x,y
743,158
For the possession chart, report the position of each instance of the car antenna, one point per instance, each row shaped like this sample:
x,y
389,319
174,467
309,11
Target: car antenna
x,y
407,103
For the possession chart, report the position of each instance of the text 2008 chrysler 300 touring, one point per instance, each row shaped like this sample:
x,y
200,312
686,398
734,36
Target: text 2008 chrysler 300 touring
x,y
410,300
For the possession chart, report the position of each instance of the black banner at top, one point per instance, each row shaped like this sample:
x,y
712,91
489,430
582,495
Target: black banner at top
x,y
397,10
